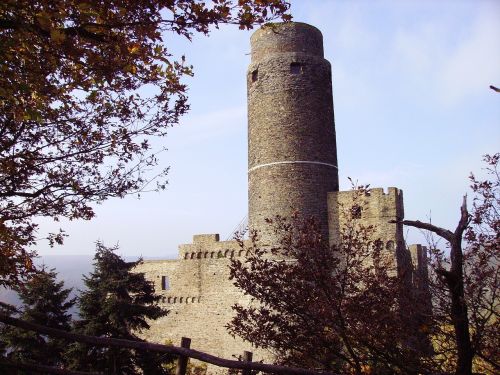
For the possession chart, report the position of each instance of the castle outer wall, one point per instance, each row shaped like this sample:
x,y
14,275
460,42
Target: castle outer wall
x,y
197,290
198,293
380,209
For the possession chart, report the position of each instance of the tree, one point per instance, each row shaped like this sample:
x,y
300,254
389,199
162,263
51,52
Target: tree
x,y
465,285
304,291
342,308
84,85
44,301
116,304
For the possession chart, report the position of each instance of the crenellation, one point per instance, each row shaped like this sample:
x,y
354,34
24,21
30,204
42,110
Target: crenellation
x,y
376,209
205,238
207,249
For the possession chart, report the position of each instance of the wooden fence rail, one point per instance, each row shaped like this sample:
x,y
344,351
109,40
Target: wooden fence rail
x,y
183,352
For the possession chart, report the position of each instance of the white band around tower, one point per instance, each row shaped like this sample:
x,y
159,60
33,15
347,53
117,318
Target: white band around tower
x,y
292,162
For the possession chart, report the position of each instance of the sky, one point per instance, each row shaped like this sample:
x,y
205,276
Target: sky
x,y
412,110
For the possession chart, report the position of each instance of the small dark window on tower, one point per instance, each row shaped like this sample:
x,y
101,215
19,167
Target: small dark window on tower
x,y
164,283
255,75
356,211
295,68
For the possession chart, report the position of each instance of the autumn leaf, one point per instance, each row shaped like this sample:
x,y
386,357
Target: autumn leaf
x,y
57,35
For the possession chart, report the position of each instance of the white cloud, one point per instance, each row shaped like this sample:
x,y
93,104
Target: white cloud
x,y
475,63
459,63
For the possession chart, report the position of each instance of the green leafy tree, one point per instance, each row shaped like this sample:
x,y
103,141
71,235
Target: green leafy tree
x,y
44,301
116,304
84,86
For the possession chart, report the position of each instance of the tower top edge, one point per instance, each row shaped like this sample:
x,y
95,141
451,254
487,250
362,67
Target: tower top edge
x,y
286,37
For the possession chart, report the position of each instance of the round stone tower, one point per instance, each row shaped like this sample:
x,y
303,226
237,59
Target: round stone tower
x,y
292,154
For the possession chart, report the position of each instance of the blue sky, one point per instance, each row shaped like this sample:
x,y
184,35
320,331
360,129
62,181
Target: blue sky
x,y
412,110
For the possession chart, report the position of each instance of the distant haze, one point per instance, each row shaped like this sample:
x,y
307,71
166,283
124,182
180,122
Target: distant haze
x,y
70,269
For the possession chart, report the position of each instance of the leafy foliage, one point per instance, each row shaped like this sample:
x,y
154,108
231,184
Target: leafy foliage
x,y
84,85
341,308
465,281
116,304
482,261
480,277
45,301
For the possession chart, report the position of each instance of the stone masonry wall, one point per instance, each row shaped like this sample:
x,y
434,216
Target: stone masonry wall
x,y
292,157
199,298
420,277
377,210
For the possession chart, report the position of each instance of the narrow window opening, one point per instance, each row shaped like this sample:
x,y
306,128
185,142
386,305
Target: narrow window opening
x,y
295,68
255,75
164,283
356,211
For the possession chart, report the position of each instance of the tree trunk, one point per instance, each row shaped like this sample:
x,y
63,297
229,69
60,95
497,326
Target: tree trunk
x,y
454,280
459,314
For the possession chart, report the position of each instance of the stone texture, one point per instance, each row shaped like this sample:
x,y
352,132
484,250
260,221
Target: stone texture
x,y
292,156
377,210
199,298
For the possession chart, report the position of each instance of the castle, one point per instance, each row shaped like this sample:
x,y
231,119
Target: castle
x,y
292,166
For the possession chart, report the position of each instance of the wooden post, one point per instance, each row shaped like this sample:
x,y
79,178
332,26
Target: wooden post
x,y
182,361
247,357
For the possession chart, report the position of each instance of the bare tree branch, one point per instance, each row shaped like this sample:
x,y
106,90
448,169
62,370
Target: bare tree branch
x,y
444,233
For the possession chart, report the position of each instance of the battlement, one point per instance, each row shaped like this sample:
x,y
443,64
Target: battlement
x,y
205,238
180,299
378,209
378,204
391,191
221,254
209,247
